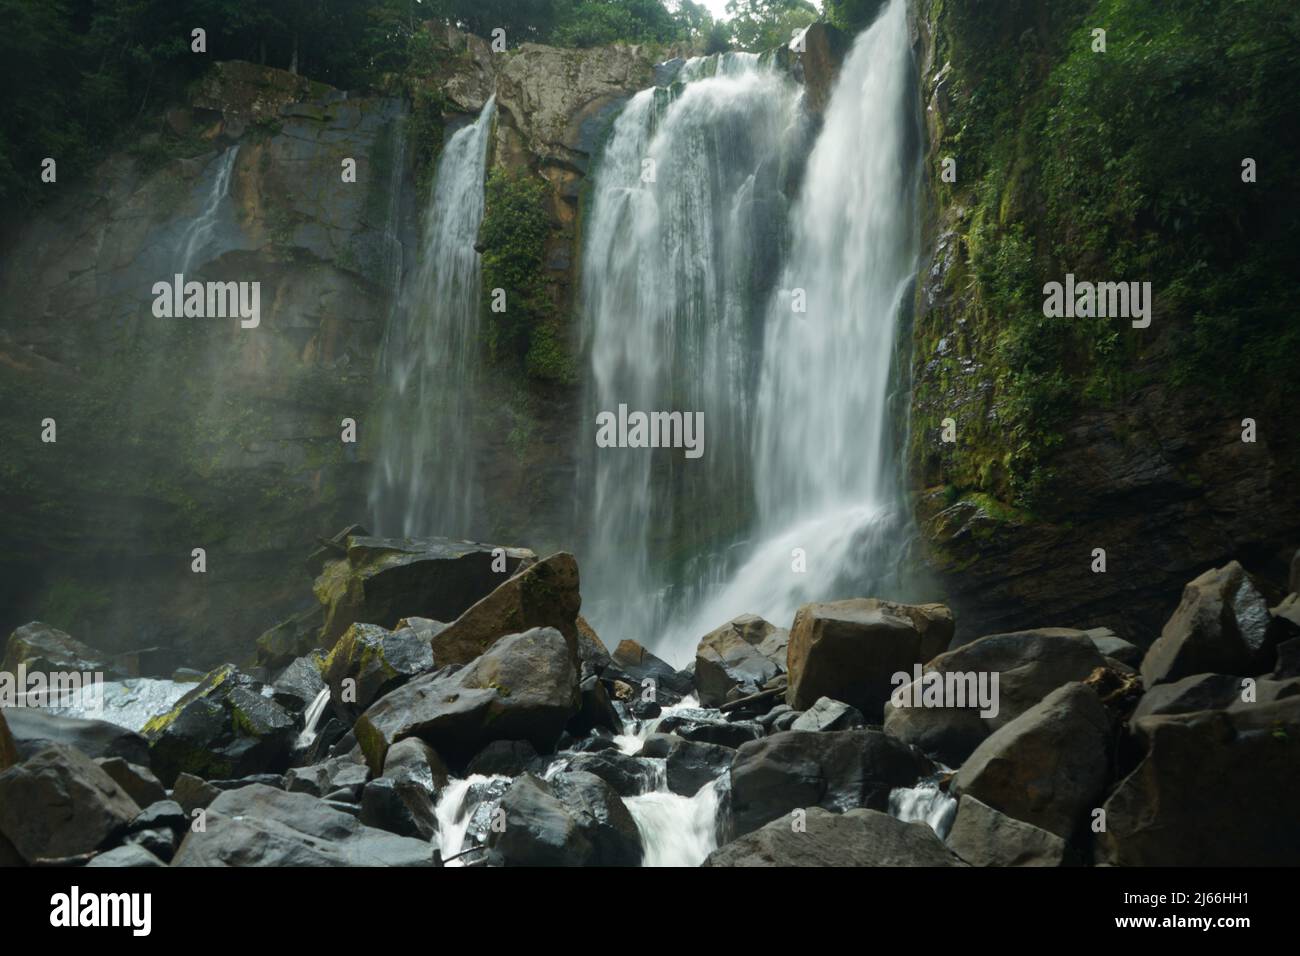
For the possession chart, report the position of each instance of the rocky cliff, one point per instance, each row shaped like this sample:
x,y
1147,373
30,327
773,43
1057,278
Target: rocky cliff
x,y
1080,434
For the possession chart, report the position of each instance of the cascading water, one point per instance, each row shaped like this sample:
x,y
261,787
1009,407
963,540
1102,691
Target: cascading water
x,y
424,476
686,228
199,232
799,452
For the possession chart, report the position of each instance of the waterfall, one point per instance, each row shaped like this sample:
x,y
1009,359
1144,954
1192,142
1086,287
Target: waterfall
x,y
199,232
686,228
312,718
424,475
683,312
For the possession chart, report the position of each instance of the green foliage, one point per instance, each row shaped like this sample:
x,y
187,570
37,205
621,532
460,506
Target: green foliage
x,y
851,15
1123,165
513,239
764,24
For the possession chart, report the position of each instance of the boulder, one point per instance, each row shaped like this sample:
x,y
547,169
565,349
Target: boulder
x,y
375,661
1284,620
290,639
627,775
1049,766
595,709
127,856
855,838
829,714
1029,666
193,793
1116,648
1198,692
729,658
1288,660
544,595
40,647
399,805
539,830
851,650
633,661
602,818
222,728
33,729
704,727
413,759
592,653
1221,625
328,776
139,782
506,758
382,580
262,826
165,814
1210,791
299,683
984,837
524,687
691,765
838,770
59,803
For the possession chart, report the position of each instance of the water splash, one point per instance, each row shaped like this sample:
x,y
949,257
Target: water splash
x,y
198,234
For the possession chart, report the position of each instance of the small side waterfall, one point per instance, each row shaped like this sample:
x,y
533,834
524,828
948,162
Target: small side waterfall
x,y
424,476
312,717
199,232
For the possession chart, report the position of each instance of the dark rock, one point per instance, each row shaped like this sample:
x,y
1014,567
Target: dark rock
x,y
327,777
8,748
193,793
368,662
838,771
1220,626
126,856
290,640
165,814
596,709
1284,621
829,714
1288,660
1198,692
628,775
40,647
261,826
222,728
524,687
1210,791
507,758
412,759
855,838
640,665
544,595
984,837
593,656
692,765
1108,645
399,805
59,803
383,580
850,650
33,730
601,816
704,728
299,684
276,780
539,830
658,745
159,842
1049,766
139,782
1029,665
729,657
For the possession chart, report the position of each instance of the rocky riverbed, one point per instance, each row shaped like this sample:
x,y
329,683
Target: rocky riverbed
x,y
444,703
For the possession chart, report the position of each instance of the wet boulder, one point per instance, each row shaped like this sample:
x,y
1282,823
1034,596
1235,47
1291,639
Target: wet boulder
x,y
413,759
382,580
602,818
544,595
39,647
691,765
851,650
1221,626
139,782
636,665
60,803
829,714
193,793
262,826
299,683
1211,790
538,830
984,837
399,805
225,727
506,758
855,838
1029,665
837,770
369,661
524,687
729,658
33,729
1049,766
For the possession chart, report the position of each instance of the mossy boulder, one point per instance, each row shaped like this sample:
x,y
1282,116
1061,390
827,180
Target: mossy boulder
x,y
221,729
525,687
382,580
290,639
543,595
376,661
40,647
